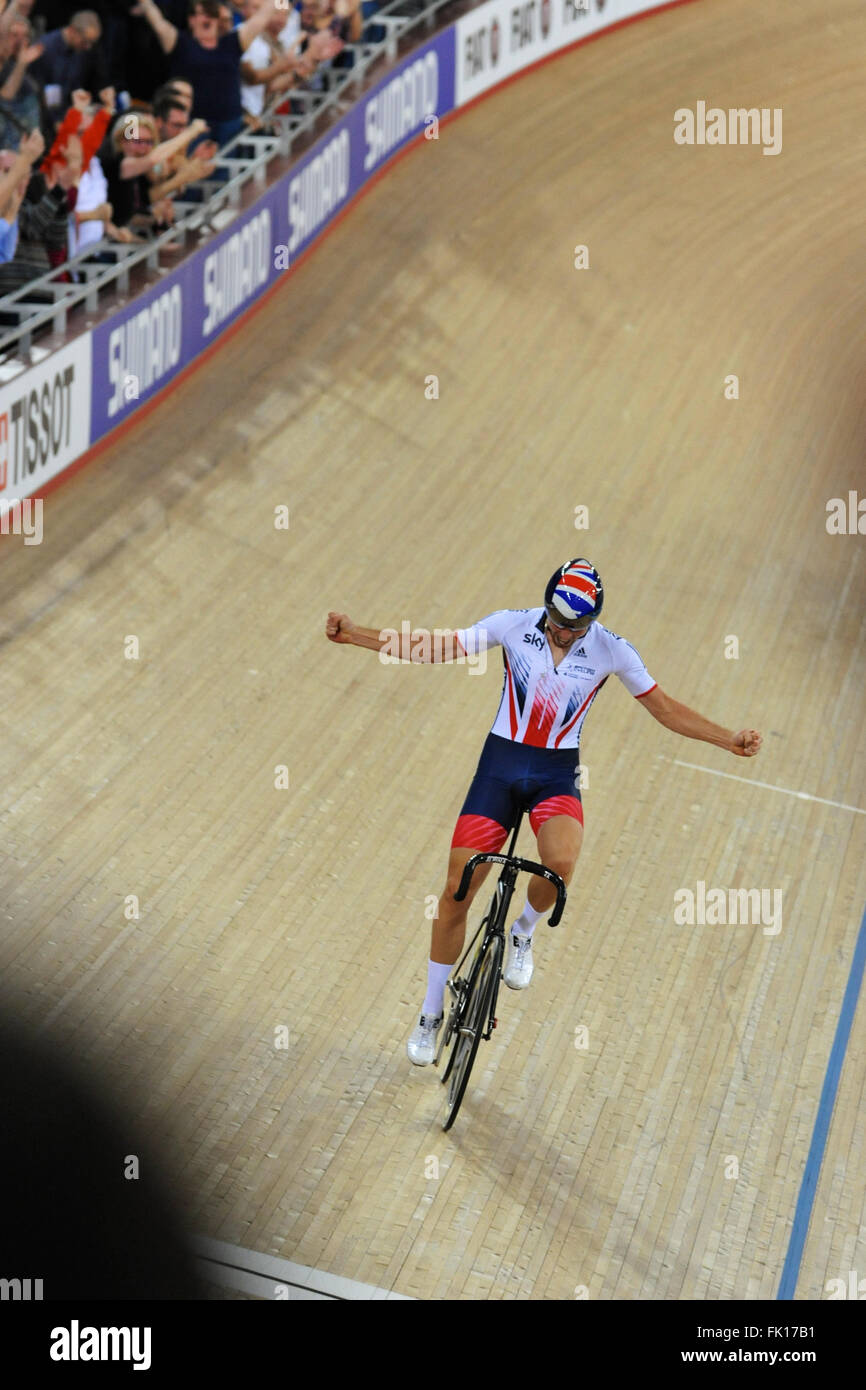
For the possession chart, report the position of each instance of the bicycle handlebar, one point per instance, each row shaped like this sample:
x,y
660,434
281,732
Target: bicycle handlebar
x,y
520,866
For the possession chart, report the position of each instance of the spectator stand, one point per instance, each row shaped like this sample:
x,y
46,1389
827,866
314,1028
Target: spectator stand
x,y
104,268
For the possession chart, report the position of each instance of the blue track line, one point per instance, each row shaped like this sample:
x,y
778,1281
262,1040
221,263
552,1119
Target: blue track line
x,y
808,1187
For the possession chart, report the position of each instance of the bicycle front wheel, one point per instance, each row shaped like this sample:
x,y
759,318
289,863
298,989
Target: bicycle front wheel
x,y
475,1018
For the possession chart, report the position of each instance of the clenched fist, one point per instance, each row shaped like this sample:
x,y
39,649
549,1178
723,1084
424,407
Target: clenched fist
x,y
746,743
338,627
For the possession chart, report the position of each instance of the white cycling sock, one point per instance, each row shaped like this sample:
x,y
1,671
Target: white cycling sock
x,y
437,978
527,920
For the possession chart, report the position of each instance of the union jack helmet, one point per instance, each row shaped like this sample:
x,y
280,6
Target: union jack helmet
x,y
575,592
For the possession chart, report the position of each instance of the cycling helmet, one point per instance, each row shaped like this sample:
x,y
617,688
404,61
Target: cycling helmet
x,y
575,593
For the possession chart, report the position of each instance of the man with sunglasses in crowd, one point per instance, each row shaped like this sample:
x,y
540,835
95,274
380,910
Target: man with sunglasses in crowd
x,y
557,658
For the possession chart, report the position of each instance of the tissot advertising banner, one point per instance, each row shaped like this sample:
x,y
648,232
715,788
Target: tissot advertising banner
x,y
44,421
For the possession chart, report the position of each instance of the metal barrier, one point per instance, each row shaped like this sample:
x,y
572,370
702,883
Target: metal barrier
x,y
105,265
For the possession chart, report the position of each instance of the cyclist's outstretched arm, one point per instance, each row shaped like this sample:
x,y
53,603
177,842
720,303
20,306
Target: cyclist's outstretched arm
x,y
682,720
403,646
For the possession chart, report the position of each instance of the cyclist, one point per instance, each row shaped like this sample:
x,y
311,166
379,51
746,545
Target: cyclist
x,y
557,658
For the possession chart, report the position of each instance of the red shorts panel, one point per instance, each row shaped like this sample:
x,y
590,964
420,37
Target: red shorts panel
x,y
479,833
555,806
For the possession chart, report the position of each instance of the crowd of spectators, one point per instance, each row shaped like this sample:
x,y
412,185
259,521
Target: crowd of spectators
x,y
107,114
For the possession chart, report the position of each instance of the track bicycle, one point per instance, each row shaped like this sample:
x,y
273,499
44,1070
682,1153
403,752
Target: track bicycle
x,y
472,1015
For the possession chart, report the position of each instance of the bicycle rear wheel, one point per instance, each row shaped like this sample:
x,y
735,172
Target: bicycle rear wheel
x,y
470,1030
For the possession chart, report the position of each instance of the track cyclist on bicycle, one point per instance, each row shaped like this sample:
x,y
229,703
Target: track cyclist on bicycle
x,y
557,658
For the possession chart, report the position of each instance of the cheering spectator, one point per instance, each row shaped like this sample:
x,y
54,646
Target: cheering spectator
x,y
321,46
81,121
43,216
173,175
211,63
71,58
16,9
132,150
321,27
13,185
342,17
171,111
271,60
20,94
91,217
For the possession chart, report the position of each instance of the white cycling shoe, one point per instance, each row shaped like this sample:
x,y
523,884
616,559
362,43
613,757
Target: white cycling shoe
x,y
421,1046
518,962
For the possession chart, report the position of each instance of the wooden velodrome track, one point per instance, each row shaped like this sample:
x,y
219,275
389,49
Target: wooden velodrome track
x,y
606,1167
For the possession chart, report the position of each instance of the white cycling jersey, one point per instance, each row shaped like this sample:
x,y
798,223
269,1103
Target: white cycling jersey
x,y
543,704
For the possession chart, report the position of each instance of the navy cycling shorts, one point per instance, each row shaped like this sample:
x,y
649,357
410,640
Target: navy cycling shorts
x,y
513,777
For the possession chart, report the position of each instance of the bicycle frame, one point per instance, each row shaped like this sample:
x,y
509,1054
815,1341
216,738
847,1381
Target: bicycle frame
x,y
473,1009
506,883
